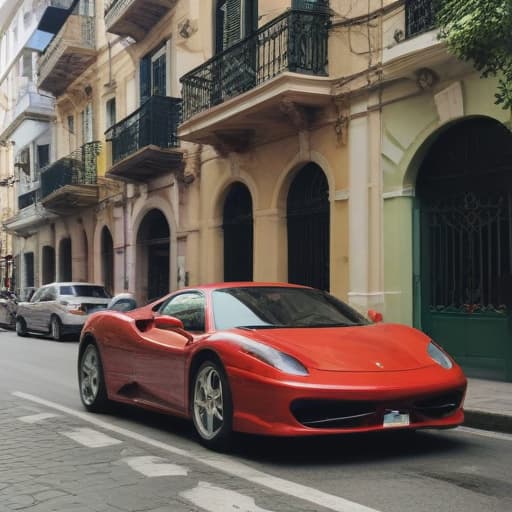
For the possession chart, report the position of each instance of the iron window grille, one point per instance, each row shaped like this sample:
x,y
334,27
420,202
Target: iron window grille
x,y
420,16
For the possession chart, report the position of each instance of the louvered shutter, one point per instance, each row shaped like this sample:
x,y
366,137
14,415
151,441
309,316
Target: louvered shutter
x,y
232,22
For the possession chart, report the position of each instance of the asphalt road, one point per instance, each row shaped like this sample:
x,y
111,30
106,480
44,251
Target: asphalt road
x,y
56,457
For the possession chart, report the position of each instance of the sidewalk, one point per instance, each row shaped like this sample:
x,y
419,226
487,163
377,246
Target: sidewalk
x,y
488,405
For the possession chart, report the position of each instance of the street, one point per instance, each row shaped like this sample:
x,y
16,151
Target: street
x,y
54,456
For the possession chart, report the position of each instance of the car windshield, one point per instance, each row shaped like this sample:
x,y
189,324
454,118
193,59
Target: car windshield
x,y
268,307
83,290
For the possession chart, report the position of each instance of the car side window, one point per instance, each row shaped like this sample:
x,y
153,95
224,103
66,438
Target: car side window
x,y
37,295
49,294
189,308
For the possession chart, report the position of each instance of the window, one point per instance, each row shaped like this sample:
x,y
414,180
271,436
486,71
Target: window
x,y
71,124
153,74
27,64
87,128
234,20
189,308
43,155
110,113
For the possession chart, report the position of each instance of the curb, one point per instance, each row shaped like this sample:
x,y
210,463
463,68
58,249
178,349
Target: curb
x,y
488,421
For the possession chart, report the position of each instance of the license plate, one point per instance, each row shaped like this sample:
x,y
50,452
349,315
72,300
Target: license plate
x,y
396,419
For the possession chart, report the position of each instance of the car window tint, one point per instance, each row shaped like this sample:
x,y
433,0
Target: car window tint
x,y
81,290
266,306
189,308
49,294
66,290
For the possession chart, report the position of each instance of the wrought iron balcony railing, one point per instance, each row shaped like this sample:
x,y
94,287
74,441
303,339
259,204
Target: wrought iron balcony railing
x,y
420,16
296,41
28,199
154,123
78,168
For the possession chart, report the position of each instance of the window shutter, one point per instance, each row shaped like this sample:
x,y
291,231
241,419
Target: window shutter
x,y
232,22
145,79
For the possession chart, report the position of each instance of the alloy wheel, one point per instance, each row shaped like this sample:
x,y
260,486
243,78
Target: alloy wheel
x,y
208,402
90,375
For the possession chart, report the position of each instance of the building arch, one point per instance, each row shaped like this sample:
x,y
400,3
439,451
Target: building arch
x,y
238,233
153,255
463,254
107,259
308,227
65,260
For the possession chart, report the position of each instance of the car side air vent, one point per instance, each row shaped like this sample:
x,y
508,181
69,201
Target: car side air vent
x,y
143,325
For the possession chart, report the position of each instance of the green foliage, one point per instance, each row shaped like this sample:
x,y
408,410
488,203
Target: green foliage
x,y
480,31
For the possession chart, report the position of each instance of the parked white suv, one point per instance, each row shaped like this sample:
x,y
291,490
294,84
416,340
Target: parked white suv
x,y
59,309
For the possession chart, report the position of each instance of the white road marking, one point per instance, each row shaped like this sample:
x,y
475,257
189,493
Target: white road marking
x,y
218,462
91,438
486,433
218,499
35,418
155,466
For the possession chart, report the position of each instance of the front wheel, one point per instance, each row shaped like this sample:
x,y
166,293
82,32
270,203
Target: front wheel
x,y
212,408
56,328
21,327
91,380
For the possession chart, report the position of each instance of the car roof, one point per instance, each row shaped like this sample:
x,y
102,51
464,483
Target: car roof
x,y
70,283
243,284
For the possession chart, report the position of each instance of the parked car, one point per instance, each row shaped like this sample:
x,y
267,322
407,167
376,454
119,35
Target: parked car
x,y
60,309
8,307
271,359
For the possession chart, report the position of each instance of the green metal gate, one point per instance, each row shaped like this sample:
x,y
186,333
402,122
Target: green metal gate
x,y
465,197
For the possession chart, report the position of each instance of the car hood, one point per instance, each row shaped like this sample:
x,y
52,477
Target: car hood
x,y
377,347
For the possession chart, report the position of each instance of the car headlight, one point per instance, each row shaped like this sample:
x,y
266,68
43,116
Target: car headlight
x,y
439,356
273,357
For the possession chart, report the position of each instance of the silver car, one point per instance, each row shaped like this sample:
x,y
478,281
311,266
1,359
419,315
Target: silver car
x,y
60,309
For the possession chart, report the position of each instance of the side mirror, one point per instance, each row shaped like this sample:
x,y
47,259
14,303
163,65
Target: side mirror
x,y
168,322
375,316
174,324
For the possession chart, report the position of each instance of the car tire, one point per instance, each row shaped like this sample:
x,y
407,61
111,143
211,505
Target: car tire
x,y
91,379
56,328
21,327
212,406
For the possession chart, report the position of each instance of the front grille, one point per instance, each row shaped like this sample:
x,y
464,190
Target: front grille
x,y
440,405
356,414
333,413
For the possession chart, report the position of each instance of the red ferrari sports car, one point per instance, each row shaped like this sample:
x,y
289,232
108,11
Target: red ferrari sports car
x,y
267,358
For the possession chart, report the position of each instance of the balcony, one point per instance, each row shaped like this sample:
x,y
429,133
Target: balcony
x,y
68,55
135,18
30,105
267,84
30,215
144,144
71,182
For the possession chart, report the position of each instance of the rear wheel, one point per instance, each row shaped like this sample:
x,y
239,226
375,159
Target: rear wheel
x,y
56,328
91,380
212,408
21,327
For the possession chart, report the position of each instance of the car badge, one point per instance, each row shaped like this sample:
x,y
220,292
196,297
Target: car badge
x,y
380,365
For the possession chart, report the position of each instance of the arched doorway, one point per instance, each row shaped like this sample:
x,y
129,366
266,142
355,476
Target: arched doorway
x,y
153,255
464,187
308,222
107,260
65,263
238,234
48,265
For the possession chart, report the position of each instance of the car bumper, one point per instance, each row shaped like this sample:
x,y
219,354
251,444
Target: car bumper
x,y
347,402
